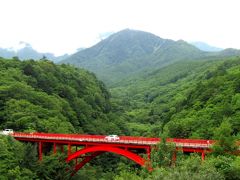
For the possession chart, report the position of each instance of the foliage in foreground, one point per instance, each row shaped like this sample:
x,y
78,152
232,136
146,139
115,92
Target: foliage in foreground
x,y
186,100
188,167
41,96
197,100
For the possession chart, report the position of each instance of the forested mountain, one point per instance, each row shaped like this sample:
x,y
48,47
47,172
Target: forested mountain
x,y
173,97
44,97
197,99
128,52
186,99
41,96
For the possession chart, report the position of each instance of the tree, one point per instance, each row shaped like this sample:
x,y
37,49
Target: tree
x,y
162,154
30,157
54,167
225,141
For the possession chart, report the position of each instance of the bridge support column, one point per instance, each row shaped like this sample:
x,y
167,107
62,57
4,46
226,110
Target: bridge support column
x,y
76,160
149,154
174,158
203,155
69,149
40,151
62,149
54,148
148,162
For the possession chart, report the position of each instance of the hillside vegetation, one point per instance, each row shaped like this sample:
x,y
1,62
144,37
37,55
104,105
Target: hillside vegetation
x,y
130,52
186,99
41,96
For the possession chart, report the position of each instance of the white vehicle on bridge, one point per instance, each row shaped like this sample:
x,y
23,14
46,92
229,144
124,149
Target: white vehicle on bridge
x,y
7,132
112,138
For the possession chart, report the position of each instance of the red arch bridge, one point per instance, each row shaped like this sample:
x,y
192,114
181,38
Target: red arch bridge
x,y
83,148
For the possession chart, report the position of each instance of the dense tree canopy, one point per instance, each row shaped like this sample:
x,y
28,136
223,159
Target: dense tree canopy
x,y
42,96
199,99
187,99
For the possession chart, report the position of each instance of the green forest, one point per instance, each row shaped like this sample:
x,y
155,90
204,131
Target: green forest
x,y
187,99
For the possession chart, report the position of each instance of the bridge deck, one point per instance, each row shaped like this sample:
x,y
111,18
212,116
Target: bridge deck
x,y
124,140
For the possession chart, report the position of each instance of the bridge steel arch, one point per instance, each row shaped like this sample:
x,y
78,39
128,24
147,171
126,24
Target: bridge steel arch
x,y
86,160
97,150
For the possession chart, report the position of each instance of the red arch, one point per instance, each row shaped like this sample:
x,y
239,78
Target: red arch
x,y
134,157
87,159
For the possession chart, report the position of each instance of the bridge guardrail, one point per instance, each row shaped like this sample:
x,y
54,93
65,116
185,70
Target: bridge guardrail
x,y
123,139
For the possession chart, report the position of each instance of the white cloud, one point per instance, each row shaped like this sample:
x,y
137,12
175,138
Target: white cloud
x,y
62,26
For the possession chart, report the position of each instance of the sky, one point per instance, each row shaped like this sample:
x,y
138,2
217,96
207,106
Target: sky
x,y
63,26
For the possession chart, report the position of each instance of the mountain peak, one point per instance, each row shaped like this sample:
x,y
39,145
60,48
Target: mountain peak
x,y
133,34
132,51
119,47
128,51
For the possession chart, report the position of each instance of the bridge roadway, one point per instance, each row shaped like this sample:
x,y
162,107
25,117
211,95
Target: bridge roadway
x,y
87,147
78,139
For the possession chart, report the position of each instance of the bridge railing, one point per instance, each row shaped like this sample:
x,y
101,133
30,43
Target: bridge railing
x,y
85,137
123,139
139,140
193,142
59,136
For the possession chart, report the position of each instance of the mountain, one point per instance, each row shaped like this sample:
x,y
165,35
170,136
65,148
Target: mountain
x,y
27,52
185,99
206,47
118,47
130,51
45,97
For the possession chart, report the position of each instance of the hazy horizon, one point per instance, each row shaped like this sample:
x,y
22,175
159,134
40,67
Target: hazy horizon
x,y
64,26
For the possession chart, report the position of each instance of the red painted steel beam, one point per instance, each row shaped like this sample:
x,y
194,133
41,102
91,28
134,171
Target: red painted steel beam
x,y
69,149
62,148
187,145
174,157
203,155
66,142
101,138
148,151
134,157
87,159
54,148
193,150
40,151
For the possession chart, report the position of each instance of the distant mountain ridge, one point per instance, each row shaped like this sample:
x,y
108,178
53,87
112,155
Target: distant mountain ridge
x,y
27,52
205,47
129,52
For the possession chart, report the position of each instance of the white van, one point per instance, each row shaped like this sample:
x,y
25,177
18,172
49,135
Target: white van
x,y
7,131
112,138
